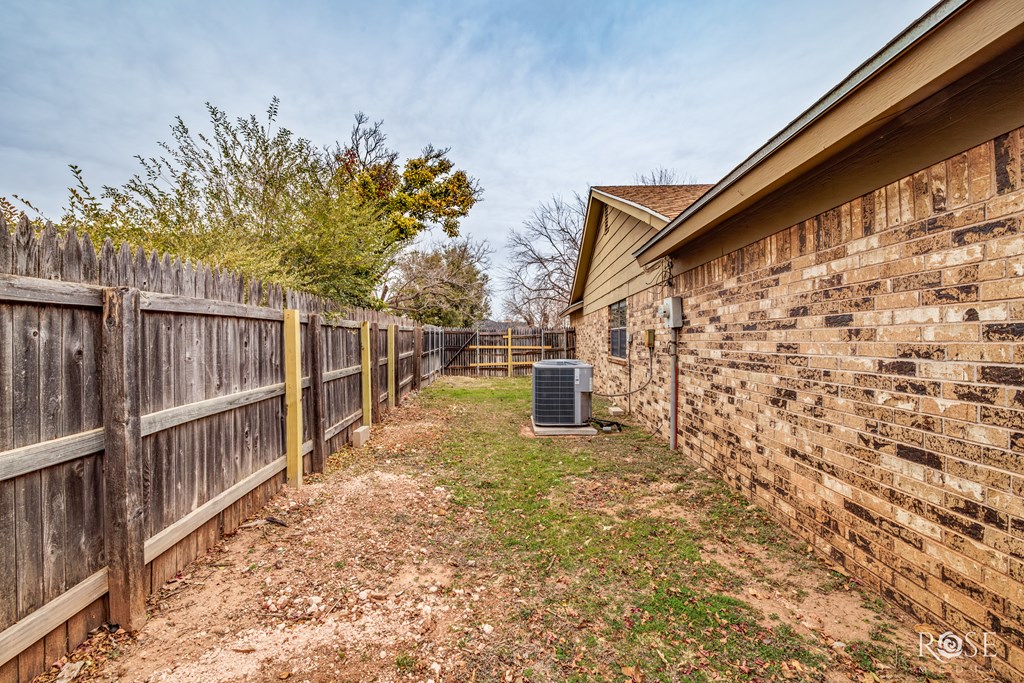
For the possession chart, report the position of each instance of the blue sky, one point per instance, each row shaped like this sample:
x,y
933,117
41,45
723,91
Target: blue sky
x,y
534,98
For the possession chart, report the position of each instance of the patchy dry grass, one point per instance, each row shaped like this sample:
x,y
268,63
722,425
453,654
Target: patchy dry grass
x,y
639,566
630,585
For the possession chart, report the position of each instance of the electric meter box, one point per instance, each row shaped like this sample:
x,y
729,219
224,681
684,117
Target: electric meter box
x,y
671,311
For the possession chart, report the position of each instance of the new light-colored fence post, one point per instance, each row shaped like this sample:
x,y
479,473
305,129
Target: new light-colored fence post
x,y
392,358
293,397
122,470
366,374
510,352
314,336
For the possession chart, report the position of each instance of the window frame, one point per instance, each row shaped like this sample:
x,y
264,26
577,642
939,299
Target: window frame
x,y
618,321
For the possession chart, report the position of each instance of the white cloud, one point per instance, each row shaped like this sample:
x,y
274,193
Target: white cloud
x,y
534,98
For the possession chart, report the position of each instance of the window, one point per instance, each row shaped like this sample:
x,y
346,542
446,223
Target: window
x,y
617,328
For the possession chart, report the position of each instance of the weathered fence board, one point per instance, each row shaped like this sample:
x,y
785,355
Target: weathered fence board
x,y
315,424
8,518
123,533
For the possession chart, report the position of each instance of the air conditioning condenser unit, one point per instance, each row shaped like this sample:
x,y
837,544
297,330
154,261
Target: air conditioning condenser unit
x,y
562,393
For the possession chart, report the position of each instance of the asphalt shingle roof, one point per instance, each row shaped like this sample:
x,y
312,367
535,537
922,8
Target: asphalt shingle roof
x,y
668,200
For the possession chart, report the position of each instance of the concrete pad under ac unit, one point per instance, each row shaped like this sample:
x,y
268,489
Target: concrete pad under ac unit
x,y
539,430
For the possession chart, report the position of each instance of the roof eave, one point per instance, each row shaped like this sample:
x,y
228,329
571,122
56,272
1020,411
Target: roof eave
x,y
576,291
892,51
572,308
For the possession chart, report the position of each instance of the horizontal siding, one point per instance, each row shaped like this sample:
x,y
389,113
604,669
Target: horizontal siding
x,y
620,225
614,273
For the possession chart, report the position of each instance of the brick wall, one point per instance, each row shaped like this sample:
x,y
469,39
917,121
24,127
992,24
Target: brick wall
x,y
861,375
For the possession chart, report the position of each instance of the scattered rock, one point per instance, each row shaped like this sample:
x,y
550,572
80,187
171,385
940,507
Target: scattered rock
x,y
253,524
811,624
70,672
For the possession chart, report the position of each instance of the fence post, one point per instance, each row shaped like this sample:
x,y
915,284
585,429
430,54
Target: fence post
x,y
122,471
417,366
375,375
428,352
367,372
293,397
510,352
437,344
392,333
314,337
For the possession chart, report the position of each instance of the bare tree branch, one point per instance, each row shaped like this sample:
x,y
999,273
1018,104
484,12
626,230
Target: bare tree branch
x,y
542,261
664,176
446,285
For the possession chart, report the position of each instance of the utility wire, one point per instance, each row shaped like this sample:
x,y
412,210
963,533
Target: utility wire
x,y
650,378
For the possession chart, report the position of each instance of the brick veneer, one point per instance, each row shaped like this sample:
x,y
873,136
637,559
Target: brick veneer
x,y
860,376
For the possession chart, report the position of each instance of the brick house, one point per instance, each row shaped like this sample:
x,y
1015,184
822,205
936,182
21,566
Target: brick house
x,y
620,219
852,355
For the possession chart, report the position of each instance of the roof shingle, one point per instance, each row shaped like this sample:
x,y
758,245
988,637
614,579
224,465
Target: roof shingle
x,y
668,200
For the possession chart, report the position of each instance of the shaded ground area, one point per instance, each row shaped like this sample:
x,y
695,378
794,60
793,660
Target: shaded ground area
x,y
455,549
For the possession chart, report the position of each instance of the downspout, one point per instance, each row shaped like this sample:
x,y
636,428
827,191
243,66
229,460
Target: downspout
x,y
629,345
674,400
629,372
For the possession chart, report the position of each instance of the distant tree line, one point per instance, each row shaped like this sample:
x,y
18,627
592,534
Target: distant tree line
x,y
338,221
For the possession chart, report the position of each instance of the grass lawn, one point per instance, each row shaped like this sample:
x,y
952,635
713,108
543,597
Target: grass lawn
x,y
623,553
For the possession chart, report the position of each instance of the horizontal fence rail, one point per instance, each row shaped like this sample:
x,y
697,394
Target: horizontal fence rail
x,y
504,353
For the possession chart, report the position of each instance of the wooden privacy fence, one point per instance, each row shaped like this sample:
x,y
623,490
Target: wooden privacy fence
x,y
508,353
147,406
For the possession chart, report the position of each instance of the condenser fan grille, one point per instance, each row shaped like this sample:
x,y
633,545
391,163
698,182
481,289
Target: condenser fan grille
x,y
561,392
553,400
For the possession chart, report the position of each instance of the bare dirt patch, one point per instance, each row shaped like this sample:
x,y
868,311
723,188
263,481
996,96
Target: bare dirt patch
x,y
366,582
